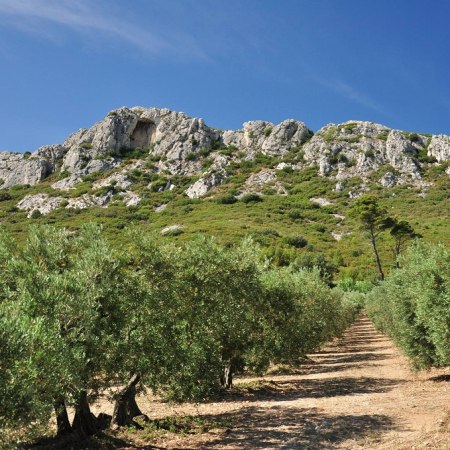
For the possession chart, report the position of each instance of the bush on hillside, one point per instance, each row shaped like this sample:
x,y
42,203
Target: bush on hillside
x,y
251,198
227,200
296,241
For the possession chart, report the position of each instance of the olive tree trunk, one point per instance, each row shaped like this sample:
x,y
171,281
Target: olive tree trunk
x,y
84,422
125,406
226,377
62,419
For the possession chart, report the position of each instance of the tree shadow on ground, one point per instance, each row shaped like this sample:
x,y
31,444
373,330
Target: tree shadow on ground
x,y
314,369
102,441
288,390
351,358
254,427
441,378
294,428
360,348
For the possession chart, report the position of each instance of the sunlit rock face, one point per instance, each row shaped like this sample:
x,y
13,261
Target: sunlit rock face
x,y
173,143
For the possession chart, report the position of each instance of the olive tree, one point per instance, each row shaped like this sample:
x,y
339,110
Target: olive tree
x,y
147,343
299,312
413,303
216,291
30,367
71,286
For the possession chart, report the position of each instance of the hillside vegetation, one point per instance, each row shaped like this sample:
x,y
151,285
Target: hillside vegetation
x,y
280,184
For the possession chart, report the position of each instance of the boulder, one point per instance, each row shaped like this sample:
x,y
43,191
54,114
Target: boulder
x,y
130,198
205,184
86,201
388,180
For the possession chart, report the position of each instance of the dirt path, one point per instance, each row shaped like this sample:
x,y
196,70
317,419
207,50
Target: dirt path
x,y
357,393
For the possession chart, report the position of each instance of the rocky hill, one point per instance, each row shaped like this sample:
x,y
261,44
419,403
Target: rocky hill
x,y
156,142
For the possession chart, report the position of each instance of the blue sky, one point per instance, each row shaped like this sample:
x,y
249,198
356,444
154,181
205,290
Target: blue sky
x,y
66,63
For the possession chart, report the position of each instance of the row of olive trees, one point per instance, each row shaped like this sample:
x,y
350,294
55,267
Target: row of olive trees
x,y
78,319
413,305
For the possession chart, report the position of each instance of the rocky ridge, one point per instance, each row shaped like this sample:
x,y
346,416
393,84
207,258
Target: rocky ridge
x,y
155,142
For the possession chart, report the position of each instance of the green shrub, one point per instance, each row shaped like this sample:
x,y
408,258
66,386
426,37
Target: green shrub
x,y
227,200
295,214
296,241
228,151
246,165
204,152
422,156
134,153
36,214
63,174
251,198
207,163
383,135
352,285
19,187
350,126
4,195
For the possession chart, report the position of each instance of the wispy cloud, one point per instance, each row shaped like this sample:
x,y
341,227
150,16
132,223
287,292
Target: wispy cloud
x,y
351,93
94,17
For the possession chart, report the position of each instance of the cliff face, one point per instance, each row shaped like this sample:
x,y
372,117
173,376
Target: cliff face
x,y
179,145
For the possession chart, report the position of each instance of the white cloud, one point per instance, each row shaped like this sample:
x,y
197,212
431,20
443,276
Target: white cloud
x,y
93,17
349,92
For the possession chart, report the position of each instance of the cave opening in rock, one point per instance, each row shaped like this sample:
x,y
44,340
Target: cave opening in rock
x,y
142,134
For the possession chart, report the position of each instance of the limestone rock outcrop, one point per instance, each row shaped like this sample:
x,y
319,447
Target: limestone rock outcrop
x,y
205,184
16,168
40,202
439,147
358,148
163,143
268,138
258,182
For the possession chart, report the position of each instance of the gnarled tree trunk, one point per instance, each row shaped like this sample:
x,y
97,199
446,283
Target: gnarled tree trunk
x,y
226,377
125,406
84,422
62,418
